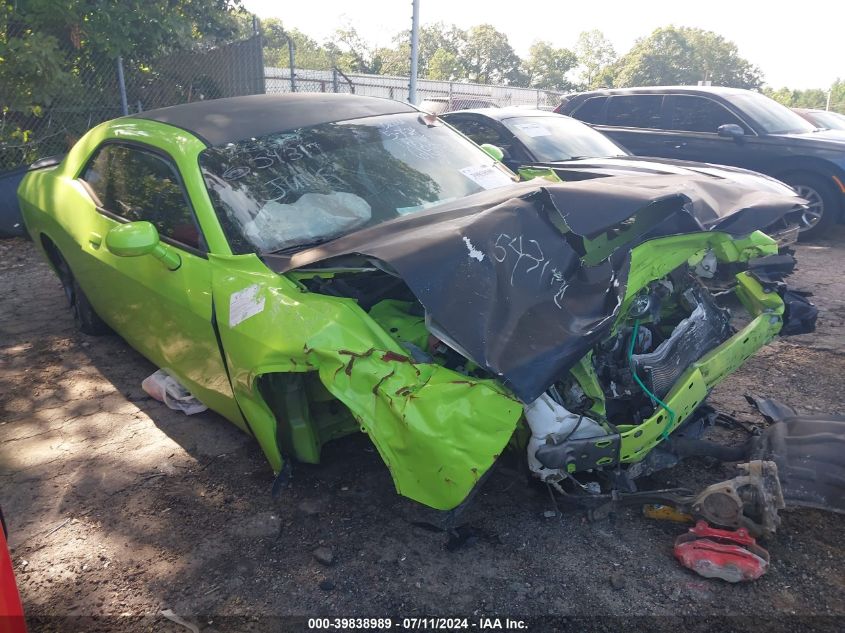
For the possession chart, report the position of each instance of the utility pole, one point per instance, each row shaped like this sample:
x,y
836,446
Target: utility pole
x,y
829,92
121,82
415,50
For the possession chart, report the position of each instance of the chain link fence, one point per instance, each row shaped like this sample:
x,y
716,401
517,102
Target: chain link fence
x,y
441,95
54,91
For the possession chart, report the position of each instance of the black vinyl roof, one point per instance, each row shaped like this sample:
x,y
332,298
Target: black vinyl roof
x,y
221,121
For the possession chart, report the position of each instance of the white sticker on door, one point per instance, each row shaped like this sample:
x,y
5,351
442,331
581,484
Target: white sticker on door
x,y
486,176
244,304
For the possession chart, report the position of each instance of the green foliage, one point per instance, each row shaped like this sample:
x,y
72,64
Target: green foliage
x,y
683,56
307,52
489,58
445,65
596,57
815,98
547,66
31,73
59,56
351,53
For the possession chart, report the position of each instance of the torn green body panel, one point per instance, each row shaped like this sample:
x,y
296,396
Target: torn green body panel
x,y
395,317
657,258
530,173
437,430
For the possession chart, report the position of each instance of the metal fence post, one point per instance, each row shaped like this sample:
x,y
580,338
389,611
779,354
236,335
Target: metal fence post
x,y
334,79
538,99
291,62
415,49
124,106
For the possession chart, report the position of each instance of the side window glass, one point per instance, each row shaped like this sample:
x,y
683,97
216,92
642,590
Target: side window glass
x,y
483,132
590,111
699,114
479,131
635,111
140,185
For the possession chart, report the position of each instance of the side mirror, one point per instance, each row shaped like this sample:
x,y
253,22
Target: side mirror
x,y
496,152
731,130
140,238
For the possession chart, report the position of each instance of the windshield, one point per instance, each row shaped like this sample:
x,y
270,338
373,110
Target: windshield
x,y
557,137
829,120
310,185
773,117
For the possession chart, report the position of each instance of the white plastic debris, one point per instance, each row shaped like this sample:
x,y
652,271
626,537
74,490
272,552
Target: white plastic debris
x,y
546,417
170,615
165,388
706,268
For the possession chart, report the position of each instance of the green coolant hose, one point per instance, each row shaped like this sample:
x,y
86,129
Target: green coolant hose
x,y
653,397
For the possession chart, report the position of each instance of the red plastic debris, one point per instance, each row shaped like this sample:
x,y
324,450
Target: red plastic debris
x,y
732,555
11,613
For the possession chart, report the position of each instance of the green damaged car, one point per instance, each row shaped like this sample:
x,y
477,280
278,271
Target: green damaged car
x,y
311,266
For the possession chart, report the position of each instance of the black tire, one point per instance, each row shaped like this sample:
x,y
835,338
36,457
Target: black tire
x,y
84,315
823,199
86,318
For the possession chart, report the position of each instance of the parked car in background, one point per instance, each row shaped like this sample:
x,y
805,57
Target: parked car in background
x,y
726,126
824,119
578,152
440,105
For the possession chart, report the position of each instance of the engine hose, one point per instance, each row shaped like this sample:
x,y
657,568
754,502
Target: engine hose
x,y
654,398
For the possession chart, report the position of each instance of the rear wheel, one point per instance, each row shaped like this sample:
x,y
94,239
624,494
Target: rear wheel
x,y
822,209
84,315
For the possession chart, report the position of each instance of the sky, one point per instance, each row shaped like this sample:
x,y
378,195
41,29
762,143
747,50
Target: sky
x,y
793,48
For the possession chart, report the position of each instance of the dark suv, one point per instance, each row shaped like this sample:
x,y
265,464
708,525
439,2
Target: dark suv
x,y
727,126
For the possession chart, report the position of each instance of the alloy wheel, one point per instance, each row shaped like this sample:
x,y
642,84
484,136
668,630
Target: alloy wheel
x,y
809,217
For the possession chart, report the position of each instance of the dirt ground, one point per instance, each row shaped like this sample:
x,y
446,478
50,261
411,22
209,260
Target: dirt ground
x,y
119,508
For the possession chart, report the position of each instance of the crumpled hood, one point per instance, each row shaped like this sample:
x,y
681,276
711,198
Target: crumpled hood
x,y
503,285
635,165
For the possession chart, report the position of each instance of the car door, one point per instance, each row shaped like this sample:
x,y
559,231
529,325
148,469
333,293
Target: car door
x,y
164,314
694,120
637,122
482,130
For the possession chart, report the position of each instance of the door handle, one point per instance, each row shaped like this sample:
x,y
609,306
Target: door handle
x,y
676,144
95,239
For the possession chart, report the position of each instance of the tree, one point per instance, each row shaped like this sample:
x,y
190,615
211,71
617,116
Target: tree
x,y
307,52
53,50
547,66
445,65
489,58
595,56
433,38
350,52
685,56
837,96
816,98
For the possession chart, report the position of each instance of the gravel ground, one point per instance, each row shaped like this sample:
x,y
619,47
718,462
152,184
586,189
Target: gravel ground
x,y
120,508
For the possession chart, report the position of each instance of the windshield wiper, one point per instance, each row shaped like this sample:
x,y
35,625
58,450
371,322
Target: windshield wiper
x,y
304,245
